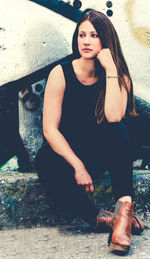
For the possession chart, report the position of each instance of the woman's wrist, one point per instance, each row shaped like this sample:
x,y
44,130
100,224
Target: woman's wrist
x,y
111,72
78,164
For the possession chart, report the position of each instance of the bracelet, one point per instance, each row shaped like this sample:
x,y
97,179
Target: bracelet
x,y
112,76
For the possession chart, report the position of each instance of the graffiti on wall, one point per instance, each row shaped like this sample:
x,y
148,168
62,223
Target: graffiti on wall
x,y
26,107
142,34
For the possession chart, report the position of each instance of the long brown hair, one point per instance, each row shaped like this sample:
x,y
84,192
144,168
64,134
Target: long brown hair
x,y
109,39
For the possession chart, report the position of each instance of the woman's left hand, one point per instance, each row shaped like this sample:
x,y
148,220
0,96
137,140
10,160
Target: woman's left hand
x,y
106,60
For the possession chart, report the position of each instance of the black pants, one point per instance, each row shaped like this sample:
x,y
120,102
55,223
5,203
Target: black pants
x,y
109,149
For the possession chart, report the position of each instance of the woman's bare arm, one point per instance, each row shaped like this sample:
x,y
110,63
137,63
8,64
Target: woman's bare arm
x,y
115,98
52,110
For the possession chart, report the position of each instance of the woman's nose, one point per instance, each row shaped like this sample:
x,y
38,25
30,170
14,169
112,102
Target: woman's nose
x,y
87,40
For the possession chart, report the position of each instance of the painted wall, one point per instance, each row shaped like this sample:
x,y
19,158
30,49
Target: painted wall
x,y
131,20
33,36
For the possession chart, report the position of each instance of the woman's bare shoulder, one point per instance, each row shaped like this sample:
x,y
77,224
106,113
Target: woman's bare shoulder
x,y
56,77
57,69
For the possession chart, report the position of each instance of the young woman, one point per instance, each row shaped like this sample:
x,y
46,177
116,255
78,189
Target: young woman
x,y
85,102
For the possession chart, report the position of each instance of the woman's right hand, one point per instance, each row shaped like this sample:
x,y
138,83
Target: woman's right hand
x,y
83,178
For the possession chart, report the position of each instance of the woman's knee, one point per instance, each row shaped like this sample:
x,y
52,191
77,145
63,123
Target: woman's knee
x,y
117,126
52,166
117,132
43,155
118,142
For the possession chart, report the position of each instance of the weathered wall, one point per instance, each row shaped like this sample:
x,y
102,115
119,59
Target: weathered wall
x,y
33,36
131,20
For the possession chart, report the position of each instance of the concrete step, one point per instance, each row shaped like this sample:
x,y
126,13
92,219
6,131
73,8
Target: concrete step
x,y
24,204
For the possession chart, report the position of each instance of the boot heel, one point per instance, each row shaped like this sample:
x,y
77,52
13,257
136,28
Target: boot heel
x,y
118,247
110,237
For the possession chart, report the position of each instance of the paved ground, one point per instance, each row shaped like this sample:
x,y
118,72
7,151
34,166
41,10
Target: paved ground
x,y
22,199
65,243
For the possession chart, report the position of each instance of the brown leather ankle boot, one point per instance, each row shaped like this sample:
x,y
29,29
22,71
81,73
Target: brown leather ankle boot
x,y
104,223
121,224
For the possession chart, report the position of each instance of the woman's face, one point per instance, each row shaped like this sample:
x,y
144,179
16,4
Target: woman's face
x,y
89,43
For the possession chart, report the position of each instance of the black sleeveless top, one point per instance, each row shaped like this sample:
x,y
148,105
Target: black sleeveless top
x,y
78,121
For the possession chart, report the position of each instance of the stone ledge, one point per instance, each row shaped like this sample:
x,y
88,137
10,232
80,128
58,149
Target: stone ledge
x,y
24,204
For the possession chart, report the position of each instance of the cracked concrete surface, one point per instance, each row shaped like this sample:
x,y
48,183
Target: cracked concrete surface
x,y
66,243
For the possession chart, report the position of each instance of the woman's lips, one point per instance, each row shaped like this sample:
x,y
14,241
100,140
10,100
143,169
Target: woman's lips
x,y
87,50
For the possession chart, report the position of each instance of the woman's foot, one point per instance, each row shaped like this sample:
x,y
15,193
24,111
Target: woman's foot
x,y
104,223
121,225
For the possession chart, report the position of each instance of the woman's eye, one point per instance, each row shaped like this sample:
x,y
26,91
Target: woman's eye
x,y
81,35
94,35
